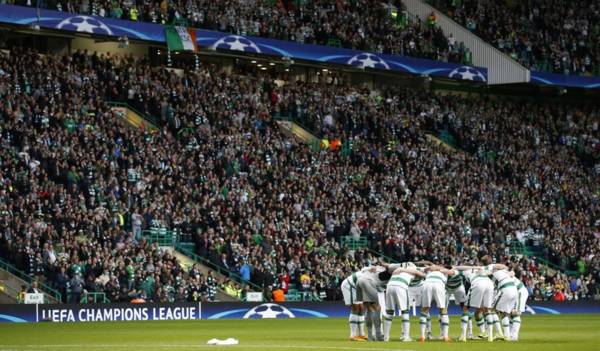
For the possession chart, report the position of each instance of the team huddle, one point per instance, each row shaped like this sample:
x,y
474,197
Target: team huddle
x,y
490,293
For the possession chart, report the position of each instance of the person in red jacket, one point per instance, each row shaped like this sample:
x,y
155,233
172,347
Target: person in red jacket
x,y
559,296
284,281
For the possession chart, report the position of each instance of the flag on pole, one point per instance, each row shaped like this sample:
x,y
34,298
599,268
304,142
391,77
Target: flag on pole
x,y
181,39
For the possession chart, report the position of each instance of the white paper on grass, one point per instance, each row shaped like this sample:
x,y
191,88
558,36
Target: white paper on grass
x,y
228,341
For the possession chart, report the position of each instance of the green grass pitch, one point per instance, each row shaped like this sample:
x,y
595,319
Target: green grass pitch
x,y
541,332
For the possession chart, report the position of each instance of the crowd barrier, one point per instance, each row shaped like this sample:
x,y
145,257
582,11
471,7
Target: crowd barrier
x,y
220,310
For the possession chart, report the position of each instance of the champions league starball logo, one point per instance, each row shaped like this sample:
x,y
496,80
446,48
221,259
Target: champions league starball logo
x,y
366,59
237,43
467,73
264,310
84,24
269,310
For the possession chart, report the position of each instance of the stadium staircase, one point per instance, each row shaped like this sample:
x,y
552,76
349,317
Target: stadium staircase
x,y
11,281
132,116
444,139
501,68
183,250
292,128
187,262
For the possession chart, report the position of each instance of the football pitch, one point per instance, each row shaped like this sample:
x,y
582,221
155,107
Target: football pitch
x,y
541,332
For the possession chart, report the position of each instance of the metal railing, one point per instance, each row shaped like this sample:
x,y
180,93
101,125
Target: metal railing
x,y
301,296
97,297
25,277
352,243
163,237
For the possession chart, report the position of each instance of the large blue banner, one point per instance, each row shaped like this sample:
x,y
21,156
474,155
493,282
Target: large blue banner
x,y
563,80
217,40
337,309
61,313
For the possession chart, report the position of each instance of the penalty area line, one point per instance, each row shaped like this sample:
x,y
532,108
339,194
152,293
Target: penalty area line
x,y
190,346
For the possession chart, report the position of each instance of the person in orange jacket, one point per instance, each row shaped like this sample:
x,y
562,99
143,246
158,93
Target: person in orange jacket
x,y
278,294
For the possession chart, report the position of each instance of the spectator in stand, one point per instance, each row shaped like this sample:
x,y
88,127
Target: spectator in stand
x,y
245,271
544,35
278,294
382,27
76,286
521,171
33,289
305,281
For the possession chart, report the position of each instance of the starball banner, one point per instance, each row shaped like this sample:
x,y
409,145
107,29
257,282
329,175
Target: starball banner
x,y
63,313
564,80
21,15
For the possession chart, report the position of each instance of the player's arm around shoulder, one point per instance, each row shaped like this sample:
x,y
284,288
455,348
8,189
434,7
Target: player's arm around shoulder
x,y
412,271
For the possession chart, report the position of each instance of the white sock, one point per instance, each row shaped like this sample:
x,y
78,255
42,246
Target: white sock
x,y
497,324
387,325
429,330
361,324
353,321
377,324
444,324
405,325
506,326
480,321
464,323
470,332
423,323
516,326
489,319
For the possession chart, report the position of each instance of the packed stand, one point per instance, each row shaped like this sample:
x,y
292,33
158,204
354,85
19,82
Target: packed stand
x,y
78,188
68,209
263,205
555,36
381,27
540,158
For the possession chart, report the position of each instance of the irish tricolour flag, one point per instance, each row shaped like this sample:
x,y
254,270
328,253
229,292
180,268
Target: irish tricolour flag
x,y
181,39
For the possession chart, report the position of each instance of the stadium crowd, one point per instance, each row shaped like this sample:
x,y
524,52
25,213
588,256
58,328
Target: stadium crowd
x,y
78,187
556,36
361,24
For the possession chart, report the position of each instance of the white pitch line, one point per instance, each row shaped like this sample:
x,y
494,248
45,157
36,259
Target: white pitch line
x,y
165,346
